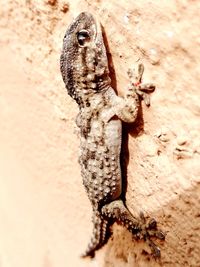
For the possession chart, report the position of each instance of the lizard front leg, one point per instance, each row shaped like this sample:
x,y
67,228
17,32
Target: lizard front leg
x,y
127,108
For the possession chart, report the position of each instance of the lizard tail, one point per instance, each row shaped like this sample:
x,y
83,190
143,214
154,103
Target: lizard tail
x,y
99,236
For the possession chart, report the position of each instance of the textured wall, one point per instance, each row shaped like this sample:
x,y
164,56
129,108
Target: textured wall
x,y
44,211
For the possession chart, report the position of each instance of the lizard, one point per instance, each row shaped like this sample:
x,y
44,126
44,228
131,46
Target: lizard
x,y
85,72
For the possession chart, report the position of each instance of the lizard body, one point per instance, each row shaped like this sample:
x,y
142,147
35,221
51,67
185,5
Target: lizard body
x,y
84,68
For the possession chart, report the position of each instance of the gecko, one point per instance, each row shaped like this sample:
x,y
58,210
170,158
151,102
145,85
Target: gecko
x,y
85,72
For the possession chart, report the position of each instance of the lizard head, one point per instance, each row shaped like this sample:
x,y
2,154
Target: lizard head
x,y
83,61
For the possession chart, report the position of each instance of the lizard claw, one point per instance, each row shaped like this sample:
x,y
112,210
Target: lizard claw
x,y
149,230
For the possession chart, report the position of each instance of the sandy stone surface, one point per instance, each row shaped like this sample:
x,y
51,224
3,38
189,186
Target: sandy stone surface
x,y
44,211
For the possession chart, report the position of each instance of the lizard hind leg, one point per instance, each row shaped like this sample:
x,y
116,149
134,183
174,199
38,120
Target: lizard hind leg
x,y
99,236
117,211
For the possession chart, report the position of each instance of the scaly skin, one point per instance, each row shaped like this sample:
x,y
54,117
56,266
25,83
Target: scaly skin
x,y
84,68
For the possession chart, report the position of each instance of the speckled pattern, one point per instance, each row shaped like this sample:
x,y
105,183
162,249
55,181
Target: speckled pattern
x,y
84,69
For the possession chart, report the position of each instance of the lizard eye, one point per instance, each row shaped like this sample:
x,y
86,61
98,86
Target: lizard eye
x,y
83,37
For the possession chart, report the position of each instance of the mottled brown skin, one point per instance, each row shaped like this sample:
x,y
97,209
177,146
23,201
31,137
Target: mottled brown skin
x,y
84,68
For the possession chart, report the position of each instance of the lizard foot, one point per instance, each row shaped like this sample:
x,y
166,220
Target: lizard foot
x,y
148,230
141,89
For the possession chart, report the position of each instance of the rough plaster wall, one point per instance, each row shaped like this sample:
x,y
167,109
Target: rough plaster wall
x,y
44,211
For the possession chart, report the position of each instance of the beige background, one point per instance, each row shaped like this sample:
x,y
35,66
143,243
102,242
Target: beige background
x,y
44,211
